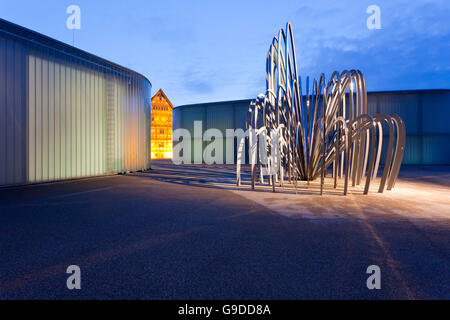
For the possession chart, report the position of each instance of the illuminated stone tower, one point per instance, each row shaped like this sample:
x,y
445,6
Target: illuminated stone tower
x,y
162,110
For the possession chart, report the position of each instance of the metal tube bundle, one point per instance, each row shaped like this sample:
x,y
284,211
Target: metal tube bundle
x,y
306,135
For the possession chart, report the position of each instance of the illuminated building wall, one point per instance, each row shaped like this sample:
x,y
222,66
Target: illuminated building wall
x,y
162,110
67,114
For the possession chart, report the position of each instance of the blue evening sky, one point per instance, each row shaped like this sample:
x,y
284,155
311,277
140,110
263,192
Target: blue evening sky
x,y
201,51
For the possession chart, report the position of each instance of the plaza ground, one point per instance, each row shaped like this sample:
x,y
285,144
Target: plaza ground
x,y
187,232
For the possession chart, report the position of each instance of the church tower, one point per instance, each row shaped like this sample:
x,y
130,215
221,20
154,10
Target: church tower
x,y
162,109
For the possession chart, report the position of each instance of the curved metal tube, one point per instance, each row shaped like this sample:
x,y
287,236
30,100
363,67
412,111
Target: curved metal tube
x,y
327,125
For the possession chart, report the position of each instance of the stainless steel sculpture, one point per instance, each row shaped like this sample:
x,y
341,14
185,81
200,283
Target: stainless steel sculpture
x,y
328,127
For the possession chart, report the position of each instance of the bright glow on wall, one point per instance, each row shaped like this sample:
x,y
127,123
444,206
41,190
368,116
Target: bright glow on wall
x,y
162,109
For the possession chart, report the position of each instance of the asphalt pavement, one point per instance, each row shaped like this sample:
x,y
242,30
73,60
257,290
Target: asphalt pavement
x,y
178,233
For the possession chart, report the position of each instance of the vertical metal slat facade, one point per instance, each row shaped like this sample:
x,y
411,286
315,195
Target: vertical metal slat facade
x,y
66,114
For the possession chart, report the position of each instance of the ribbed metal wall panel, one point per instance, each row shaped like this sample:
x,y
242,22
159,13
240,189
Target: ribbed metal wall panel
x,y
425,113
436,113
65,120
177,120
55,112
220,117
12,112
240,114
192,114
406,105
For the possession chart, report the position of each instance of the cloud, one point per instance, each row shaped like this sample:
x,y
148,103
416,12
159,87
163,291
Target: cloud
x,y
198,86
412,46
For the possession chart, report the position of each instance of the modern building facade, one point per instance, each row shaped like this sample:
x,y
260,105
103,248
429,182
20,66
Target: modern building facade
x,y
162,110
65,113
425,112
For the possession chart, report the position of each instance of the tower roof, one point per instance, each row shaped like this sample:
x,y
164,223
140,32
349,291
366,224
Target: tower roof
x,y
161,93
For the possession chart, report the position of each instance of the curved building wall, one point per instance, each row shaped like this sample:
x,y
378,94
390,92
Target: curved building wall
x,y
218,115
425,112
66,114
